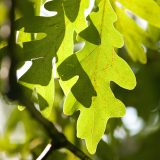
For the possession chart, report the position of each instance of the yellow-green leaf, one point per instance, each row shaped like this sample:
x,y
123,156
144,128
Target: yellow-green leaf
x,y
147,9
102,65
132,33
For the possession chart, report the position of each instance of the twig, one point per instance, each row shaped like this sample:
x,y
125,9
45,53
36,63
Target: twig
x,y
69,146
77,151
58,138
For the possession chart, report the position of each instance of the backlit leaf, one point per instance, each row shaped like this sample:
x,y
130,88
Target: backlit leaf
x,y
102,65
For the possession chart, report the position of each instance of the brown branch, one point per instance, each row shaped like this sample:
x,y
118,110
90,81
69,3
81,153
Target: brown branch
x,y
16,93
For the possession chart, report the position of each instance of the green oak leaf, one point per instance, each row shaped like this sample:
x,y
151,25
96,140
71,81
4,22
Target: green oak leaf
x,y
42,66
70,68
32,95
127,25
148,78
91,34
102,65
146,9
71,8
66,48
42,51
75,68
37,92
46,92
132,33
32,82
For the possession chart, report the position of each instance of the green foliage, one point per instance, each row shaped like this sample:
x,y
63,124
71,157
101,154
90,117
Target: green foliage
x,y
148,10
104,36
104,61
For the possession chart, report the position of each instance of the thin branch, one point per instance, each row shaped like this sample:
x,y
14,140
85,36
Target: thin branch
x,y
16,93
68,145
58,139
46,152
77,151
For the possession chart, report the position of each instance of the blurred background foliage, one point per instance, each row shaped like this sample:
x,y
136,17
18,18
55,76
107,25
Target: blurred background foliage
x,y
134,137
